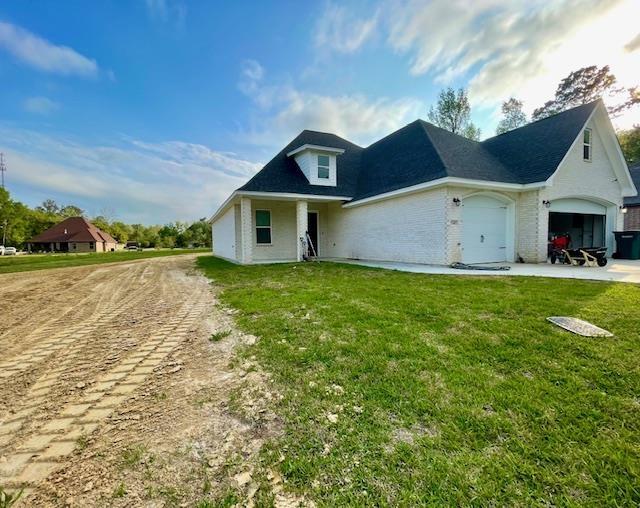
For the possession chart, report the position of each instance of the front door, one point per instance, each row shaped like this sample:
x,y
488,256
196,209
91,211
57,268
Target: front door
x,y
312,229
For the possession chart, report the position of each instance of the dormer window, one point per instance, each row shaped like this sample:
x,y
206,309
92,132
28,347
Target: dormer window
x,y
323,166
586,145
318,163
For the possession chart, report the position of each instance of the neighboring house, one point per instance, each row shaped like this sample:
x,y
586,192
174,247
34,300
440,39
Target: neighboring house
x,y
75,234
425,195
632,204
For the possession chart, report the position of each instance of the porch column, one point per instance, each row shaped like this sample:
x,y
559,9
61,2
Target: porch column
x,y
246,232
301,226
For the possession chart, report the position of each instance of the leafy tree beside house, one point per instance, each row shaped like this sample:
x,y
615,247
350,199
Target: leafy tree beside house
x,y
586,85
453,113
630,144
512,116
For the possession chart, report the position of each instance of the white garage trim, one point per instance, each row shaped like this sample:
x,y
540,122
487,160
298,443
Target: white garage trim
x,y
577,205
510,225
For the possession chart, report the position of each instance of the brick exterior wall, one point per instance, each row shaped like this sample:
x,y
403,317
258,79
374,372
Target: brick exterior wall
x,y
407,229
632,218
246,231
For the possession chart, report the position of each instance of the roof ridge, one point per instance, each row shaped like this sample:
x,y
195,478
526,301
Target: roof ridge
x,y
422,124
425,123
545,118
326,134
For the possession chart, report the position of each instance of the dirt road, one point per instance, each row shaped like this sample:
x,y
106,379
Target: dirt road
x,y
111,392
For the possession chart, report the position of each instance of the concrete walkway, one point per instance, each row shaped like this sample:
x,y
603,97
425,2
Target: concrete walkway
x,y
617,270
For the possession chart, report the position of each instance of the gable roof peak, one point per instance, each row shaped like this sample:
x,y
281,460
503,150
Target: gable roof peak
x,y
588,106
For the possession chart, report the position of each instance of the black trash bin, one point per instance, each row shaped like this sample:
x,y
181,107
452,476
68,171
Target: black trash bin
x,y
627,244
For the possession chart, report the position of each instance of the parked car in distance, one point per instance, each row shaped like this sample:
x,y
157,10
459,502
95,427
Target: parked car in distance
x,y
9,251
132,246
1,250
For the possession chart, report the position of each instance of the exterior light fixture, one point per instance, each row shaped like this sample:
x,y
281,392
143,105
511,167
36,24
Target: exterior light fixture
x,y
456,201
623,209
546,203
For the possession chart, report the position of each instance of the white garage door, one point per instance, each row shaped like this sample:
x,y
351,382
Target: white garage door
x,y
484,230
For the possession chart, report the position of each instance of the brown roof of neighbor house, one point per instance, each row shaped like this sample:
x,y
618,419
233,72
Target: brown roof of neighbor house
x,y
73,229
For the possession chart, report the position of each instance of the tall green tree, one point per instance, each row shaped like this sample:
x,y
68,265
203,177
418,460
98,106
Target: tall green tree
x,y
49,206
512,116
586,85
71,211
453,113
630,144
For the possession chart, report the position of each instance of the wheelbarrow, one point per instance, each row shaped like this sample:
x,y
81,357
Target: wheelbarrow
x,y
589,256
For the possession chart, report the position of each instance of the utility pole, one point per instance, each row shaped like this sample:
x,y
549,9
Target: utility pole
x,y
3,168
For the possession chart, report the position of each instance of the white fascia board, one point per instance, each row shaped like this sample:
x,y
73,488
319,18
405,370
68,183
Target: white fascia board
x,y
447,180
223,207
281,196
290,196
316,147
628,187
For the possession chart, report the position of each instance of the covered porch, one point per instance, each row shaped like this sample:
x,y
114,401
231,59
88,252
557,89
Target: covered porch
x,y
264,229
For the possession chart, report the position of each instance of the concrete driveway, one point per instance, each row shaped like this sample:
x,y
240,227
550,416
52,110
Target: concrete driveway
x,y
617,270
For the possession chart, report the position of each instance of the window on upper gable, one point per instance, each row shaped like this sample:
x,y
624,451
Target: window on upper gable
x,y
323,166
587,145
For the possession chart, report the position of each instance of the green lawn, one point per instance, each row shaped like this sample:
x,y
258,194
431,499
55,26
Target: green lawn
x,y
448,390
27,263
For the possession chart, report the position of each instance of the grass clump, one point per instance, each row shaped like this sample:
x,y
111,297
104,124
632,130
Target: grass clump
x,y
405,389
218,336
133,455
8,499
120,490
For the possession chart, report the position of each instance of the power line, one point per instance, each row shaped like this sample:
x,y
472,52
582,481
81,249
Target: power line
x,y
3,167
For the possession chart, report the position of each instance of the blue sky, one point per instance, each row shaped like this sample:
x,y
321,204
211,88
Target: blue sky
x,y
155,110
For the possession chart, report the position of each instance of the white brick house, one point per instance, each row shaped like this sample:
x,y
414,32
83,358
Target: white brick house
x,y
425,195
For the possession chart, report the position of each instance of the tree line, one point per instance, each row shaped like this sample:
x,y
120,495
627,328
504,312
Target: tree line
x,y
453,111
19,223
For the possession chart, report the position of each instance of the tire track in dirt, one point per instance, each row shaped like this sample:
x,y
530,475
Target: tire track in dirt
x,y
42,424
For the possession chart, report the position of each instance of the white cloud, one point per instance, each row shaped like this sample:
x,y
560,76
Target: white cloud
x,y
282,111
343,31
44,55
168,10
41,105
251,75
633,44
519,48
141,181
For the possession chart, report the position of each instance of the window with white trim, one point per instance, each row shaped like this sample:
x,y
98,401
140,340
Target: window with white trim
x,y
323,166
263,227
586,145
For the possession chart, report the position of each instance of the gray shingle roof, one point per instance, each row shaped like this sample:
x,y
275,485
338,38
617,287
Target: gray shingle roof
x,y
421,152
282,174
635,176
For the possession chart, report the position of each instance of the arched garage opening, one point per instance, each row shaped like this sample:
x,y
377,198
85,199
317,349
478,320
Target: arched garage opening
x,y
585,221
487,228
